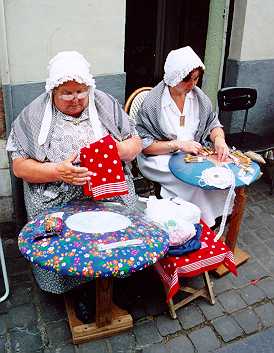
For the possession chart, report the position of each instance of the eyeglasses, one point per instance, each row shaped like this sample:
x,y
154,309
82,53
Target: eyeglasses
x,y
70,97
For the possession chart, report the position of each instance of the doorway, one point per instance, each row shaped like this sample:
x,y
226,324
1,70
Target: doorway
x,y
153,28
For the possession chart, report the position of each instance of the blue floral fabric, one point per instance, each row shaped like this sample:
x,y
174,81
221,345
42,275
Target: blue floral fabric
x,y
77,254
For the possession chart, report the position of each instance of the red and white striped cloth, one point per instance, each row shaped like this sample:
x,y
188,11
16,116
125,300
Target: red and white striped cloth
x,y
210,256
108,178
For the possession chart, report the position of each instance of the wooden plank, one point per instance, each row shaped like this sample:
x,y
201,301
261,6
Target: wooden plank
x,y
240,257
103,301
197,293
209,286
121,321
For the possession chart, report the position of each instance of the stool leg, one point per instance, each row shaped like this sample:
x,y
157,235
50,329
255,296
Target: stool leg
x,y
209,287
4,271
171,309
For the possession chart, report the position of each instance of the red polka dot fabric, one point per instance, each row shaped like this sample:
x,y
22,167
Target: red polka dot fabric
x,y
108,178
210,256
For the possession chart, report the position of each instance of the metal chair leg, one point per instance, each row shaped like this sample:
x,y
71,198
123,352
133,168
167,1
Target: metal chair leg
x,y
5,275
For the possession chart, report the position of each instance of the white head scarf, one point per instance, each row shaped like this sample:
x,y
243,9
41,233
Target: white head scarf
x,y
63,67
68,66
179,63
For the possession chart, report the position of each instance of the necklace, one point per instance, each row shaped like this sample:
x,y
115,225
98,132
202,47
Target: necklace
x,y
182,120
180,105
76,121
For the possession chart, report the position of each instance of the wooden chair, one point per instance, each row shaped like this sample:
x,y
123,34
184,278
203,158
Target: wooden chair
x,y
143,186
4,271
135,101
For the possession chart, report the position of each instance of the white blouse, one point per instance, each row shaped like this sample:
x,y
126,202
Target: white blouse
x,y
170,116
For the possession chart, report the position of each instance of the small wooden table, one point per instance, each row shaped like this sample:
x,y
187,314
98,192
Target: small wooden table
x,y
190,172
110,319
94,254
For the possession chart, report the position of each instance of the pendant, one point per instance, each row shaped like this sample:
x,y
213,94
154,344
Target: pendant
x,y
76,122
182,120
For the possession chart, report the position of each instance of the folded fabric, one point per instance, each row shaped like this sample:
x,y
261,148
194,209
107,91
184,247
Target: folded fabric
x,y
53,224
108,178
191,245
177,209
182,235
84,154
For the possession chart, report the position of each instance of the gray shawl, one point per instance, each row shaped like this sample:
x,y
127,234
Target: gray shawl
x,y
28,123
147,120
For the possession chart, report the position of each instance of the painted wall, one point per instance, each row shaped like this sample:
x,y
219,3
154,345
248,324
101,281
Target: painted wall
x,y
33,31
95,28
251,63
36,30
252,30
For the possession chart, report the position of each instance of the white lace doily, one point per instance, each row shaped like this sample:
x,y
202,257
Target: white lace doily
x,y
97,222
219,177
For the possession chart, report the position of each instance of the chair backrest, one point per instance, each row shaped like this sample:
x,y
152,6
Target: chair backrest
x,y
236,98
135,101
143,186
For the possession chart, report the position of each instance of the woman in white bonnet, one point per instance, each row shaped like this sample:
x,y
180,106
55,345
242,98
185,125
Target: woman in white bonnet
x,y
47,136
177,115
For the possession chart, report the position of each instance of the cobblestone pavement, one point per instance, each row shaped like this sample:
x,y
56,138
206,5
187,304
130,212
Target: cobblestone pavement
x,y
243,316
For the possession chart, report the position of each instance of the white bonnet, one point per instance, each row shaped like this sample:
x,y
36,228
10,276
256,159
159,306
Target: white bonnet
x,y
68,66
63,67
179,63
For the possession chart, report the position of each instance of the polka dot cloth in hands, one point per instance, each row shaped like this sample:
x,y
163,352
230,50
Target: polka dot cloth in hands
x,y
108,178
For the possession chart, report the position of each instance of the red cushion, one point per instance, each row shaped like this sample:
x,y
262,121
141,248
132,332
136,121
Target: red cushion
x,y
210,256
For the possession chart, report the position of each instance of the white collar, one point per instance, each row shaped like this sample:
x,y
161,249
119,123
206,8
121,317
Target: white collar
x,y
47,119
167,99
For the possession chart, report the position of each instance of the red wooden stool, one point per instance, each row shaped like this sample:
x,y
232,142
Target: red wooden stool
x,y
211,255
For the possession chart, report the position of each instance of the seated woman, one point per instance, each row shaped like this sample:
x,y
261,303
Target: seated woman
x,y
48,134
177,115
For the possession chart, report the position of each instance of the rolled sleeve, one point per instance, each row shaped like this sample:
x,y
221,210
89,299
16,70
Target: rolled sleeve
x,y
14,147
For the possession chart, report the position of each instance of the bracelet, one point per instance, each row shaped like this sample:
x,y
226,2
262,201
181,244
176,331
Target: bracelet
x,y
172,146
222,136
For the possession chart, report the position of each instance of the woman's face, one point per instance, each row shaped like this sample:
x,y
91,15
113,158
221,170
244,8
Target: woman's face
x,y
71,98
187,86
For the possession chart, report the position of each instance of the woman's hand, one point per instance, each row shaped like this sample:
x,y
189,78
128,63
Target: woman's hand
x,y
221,148
189,146
71,174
